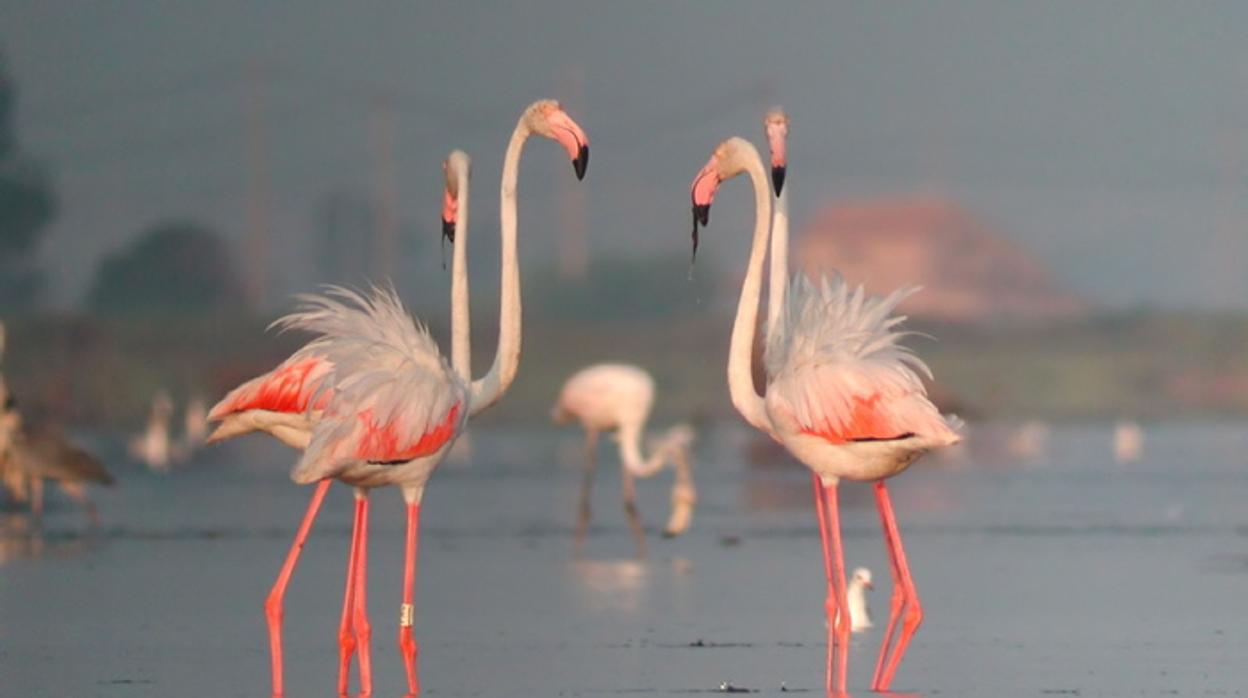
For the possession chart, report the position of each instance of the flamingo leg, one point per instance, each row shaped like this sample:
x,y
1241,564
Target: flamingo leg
x,y
829,603
359,620
629,489
36,499
905,596
408,647
273,604
840,627
587,481
346,631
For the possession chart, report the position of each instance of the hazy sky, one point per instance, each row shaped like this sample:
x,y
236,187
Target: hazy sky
x,y
1107,137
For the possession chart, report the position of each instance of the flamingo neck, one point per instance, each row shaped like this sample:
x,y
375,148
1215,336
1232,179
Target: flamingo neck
x,y
461,318
490,388
741,347
778,274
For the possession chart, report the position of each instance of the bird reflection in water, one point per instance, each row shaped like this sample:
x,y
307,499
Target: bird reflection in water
x,y
611,585
22,538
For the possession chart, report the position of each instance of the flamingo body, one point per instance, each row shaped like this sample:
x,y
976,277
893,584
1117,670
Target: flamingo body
x,y
842,395
606,397
396,405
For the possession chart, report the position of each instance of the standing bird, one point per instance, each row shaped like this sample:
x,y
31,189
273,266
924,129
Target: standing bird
x,y
859,584
38,454
28,456
154,447
842,396
618,397
372,402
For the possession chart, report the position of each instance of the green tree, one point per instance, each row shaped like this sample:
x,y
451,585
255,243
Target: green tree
x,y
27,205
171,267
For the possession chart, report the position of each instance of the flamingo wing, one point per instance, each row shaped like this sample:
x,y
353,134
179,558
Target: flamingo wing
x,y
290,388
395,397
839,370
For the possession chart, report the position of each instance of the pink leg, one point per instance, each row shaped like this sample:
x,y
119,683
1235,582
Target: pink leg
x,y
346,633
841,626
829,603
273,604
363,630
407,612
905,596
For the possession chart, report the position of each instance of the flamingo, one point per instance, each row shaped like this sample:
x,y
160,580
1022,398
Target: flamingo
x,y
153,447
372,402
618,397
842,395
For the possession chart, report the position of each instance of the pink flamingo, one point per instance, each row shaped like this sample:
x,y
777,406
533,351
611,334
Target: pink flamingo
x,y
372,402
618,397
842,396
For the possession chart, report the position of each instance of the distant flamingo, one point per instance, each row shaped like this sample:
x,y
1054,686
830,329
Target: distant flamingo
x,y
194,425
618,397
842,396
373,402
153,447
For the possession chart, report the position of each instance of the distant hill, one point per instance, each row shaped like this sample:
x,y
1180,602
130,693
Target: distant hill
x,y
968,270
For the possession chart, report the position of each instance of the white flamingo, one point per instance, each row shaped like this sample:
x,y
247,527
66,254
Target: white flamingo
x,y
842,396
373,403
153,446
618,398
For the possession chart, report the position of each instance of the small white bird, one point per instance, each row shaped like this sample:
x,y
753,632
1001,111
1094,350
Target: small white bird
x,y
859,616
1128,441
856,595
153,446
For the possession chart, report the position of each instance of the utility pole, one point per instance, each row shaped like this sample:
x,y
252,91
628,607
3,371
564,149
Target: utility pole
x,y
257,245
382,140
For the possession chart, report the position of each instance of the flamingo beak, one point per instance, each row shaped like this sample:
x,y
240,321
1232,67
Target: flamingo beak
x,y
869,585
777,127
703,193
777,177
450,210
572,137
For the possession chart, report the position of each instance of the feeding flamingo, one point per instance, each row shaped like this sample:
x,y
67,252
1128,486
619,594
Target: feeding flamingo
x,y
373,403
618,397
842,396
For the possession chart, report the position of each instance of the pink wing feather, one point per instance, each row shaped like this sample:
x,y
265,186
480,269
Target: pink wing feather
x,y
395,397
838,367
289,388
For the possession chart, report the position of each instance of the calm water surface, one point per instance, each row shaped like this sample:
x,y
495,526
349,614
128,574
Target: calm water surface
x,y
1064,574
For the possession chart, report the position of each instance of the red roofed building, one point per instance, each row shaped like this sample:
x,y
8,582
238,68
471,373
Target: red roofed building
x,y
968,270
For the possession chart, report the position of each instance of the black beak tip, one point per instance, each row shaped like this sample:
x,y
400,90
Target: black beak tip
x,y
702,213
777,178
448,230
581,162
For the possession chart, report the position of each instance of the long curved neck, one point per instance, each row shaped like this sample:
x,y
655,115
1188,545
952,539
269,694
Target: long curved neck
x,y
490,388
740,377
461,318
778,274
630,454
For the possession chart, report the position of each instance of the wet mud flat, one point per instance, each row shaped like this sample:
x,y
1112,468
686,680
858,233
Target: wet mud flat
x,y
1067,574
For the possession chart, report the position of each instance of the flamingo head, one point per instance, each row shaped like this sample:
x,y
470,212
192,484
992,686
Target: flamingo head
x,y
546,118
455,169
862,577
726,162
776,125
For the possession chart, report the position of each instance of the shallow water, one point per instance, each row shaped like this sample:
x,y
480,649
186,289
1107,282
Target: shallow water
x,y
1064,575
